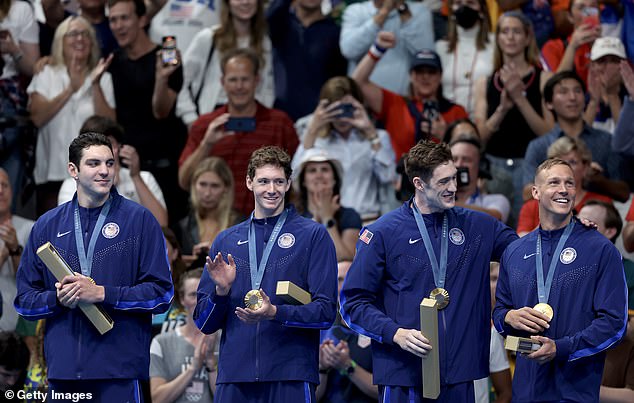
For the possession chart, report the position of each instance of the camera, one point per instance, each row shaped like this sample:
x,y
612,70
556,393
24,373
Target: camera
x,y
463,177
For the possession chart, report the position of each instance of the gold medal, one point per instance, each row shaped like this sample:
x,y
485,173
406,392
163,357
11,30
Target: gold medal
x,y
441,296
253,300
545,309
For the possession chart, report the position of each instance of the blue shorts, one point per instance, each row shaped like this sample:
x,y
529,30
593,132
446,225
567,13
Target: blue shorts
x,y
460,392
265,392
95,391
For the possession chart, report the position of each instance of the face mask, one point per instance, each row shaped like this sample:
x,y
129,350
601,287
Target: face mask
x,y
466,17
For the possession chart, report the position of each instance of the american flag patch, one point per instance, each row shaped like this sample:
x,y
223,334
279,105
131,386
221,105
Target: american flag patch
x,y
366,236
177,10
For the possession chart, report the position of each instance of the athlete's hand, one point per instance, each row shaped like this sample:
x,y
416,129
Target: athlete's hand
x,y
266,312
527,319
546,352
223,274
413,341
78,288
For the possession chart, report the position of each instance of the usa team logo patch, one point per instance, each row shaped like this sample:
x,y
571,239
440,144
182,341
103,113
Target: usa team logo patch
x,y
110,230
568,255
286,240
456,236
366,236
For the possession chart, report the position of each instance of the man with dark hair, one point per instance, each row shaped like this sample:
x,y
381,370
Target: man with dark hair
x,y
564,96
238,128
125,271
426,248
14,360
269,348
145,91
131,182
562,285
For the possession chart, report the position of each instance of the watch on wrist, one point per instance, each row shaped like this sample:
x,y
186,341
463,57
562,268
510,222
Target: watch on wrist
x,y
331,223
17,251
350,370
402,8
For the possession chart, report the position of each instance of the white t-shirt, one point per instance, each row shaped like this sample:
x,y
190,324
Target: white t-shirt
x,y
125,187
51,153
23,27
184,19
498,361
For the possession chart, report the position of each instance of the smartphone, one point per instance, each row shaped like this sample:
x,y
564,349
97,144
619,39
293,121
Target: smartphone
x,y
240,125
590,16
346,111
462,176
168,51
430,110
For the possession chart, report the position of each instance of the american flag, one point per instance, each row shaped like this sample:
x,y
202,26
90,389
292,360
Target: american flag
x,y
366,236
176,10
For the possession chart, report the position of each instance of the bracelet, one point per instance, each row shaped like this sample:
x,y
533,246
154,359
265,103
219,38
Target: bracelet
x,y
91,280
373,57
379,48
17,57
376,52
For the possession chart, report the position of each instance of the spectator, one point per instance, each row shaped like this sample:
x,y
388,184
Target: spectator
x,y
424,114
305,53
14,360
510,101
345,361
94,11
211,197
318,182
18,53
145,90
539,13
183,367
411,24
54,14
465,146
467,53
14,232
63,95
618,374
365,152
209,135
573,54
181,18
605,84
132,183
564,96
242,24
575,152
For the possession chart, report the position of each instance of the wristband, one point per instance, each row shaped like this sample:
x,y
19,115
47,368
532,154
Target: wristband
x,y
373,57
379,48
376,52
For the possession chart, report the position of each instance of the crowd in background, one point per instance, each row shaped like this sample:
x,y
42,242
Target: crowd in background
x,y
346,88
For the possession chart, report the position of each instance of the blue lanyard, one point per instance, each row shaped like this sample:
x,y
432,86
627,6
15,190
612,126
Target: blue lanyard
x,y
257,271
439,270
85,259
543,290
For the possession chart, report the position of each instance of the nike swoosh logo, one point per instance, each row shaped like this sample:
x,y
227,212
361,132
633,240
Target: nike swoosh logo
x,y
61,234
527,256
414,241
242,242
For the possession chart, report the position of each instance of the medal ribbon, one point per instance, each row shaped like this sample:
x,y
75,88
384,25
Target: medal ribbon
x,y
257,271
543,290
85,259
439,270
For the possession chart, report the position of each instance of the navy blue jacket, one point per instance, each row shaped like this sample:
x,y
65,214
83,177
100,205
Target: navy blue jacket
x,y
589,300
391,274
286,348
134,270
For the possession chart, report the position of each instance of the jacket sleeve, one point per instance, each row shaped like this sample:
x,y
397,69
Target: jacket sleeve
x,y
153,291
383,160
623,139
211,310
320,313
503,299
277,17
358,31
193,63
610,310
361,287
36,297
417,33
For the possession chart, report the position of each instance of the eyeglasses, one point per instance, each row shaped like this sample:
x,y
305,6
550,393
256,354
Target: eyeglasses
x,y
76,34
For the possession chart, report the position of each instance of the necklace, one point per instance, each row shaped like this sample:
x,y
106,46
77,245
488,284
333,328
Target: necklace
x,y
497,82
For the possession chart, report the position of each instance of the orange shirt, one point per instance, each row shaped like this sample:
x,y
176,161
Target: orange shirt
x,y
553,51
